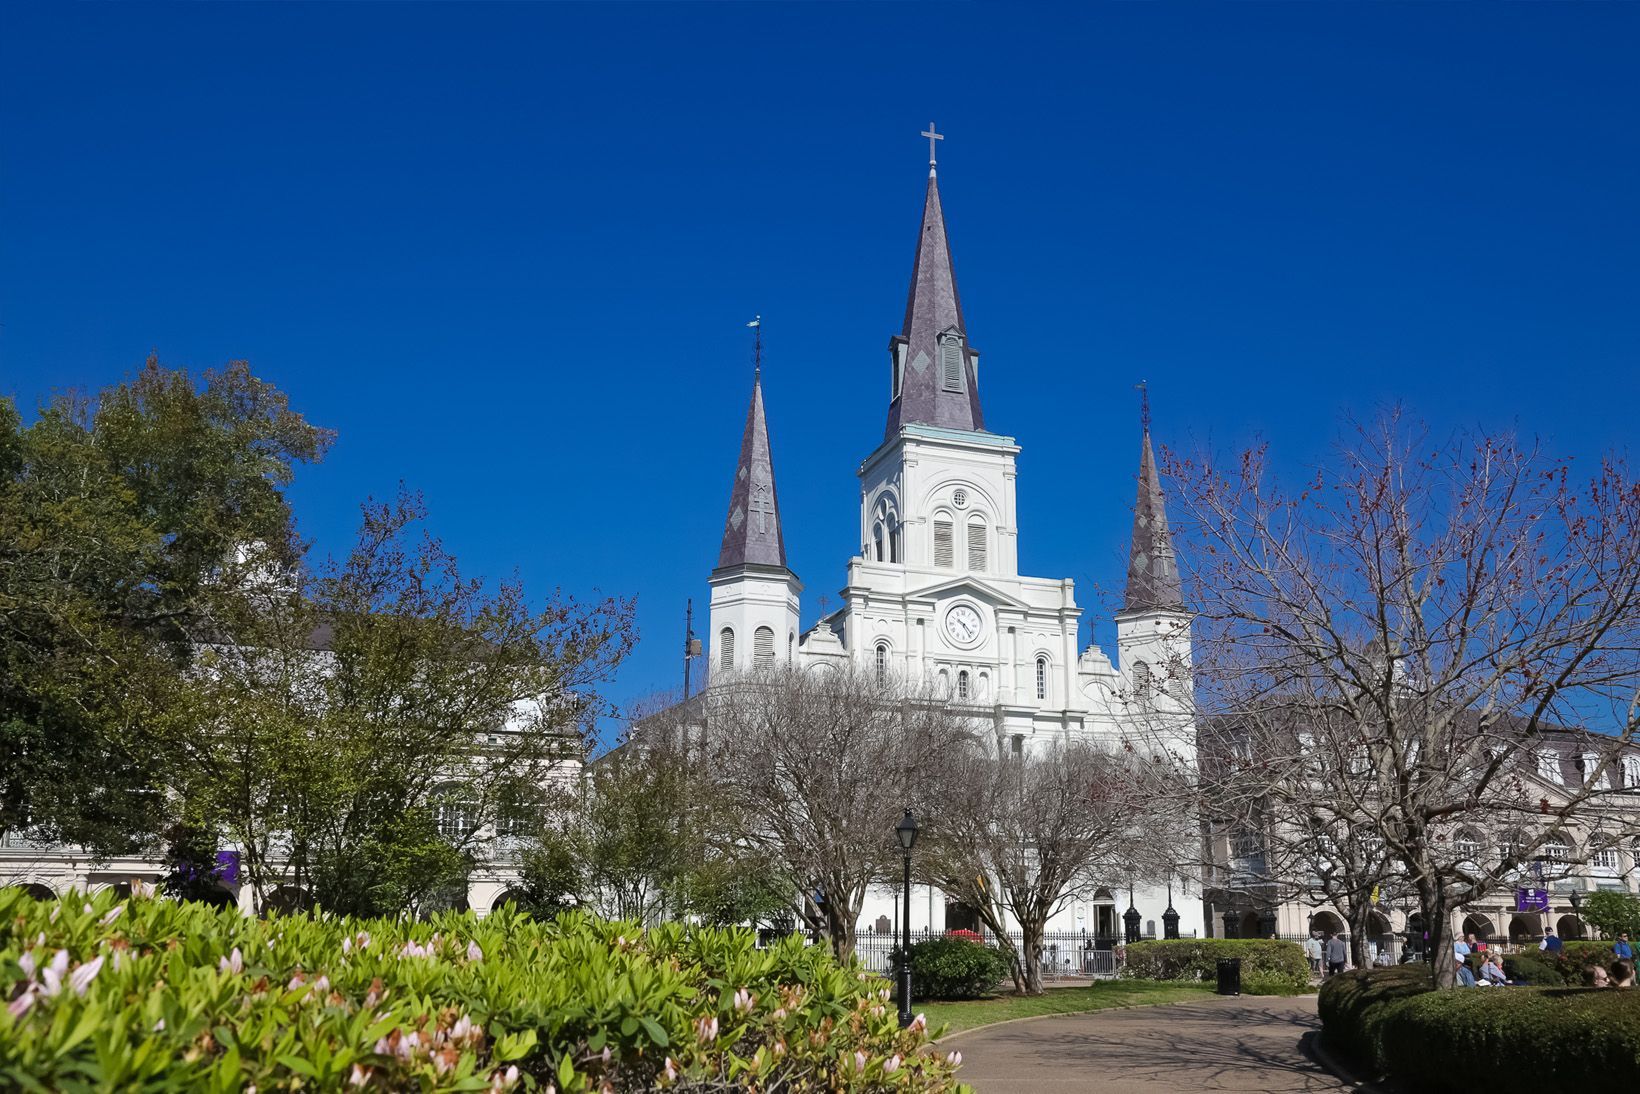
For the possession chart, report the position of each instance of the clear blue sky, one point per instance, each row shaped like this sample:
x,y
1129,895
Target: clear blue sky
x,y
508,250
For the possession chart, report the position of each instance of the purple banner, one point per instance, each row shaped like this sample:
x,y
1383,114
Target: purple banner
x,y
1531,900
227,867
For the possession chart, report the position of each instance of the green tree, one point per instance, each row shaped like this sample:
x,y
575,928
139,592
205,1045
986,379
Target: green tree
x,y
115,514
1613,913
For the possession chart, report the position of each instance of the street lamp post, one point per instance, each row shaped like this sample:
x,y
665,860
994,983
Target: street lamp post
x,y
906,833
1170,918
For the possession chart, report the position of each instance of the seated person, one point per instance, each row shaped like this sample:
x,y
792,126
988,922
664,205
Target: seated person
x,y
1622,973
1595,977
1466,979
1492,971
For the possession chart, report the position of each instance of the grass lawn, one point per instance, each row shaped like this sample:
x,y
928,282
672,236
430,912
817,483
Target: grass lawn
x,y
1099,996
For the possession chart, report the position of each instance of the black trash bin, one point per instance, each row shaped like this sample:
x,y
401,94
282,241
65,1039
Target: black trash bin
x,y
1229,976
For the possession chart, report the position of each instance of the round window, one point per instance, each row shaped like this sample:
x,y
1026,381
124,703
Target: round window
x,y
959,498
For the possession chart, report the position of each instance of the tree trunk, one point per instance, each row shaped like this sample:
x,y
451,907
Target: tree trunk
x,y
1360,918
1030,930
1432,897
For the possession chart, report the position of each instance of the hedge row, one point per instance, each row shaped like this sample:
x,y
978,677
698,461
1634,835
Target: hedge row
x,y
1268,967
163,996
953,968
1566,968
1511,1040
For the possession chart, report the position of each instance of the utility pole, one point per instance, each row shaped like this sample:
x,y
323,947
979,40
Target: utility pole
x,y
691,646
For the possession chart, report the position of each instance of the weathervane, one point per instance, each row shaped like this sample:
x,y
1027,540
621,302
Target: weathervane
x,y
932,136
757,345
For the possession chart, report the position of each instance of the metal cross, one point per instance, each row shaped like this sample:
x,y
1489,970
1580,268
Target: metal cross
x,y
932,137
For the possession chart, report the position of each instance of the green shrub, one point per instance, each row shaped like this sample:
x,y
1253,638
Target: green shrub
x,y
1612,913
954,968
1565,968
1352,1006
1197,959
1514,1041
158,995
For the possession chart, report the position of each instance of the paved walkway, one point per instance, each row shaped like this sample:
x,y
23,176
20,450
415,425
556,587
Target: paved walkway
x,y
1239,1043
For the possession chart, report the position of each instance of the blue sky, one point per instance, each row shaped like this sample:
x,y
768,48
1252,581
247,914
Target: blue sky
x,y
508,251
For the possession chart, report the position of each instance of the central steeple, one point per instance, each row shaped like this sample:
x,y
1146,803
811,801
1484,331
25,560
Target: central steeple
x,y
935,372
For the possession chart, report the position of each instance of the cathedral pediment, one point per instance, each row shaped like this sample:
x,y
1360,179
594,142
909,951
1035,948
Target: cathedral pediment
x,y
976,587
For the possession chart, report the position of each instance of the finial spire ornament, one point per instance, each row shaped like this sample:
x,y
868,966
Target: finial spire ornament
x,y
1144,404
757,346
932,136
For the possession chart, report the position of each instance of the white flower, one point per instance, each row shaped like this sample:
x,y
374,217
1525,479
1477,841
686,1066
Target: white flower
x,y
27,962
321,985
474,953
81,978
954,1058
359,1077
20,1005
159,1026
347,946
52,975
919,1023
859,1061
743,1000
234,962
892,1065
671,1070
113,914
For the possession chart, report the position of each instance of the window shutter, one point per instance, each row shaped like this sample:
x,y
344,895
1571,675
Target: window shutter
x,y
763,646
726,648
976,546
944,555
951,364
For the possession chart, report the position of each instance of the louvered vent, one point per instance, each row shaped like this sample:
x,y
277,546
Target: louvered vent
x,y
726,648
763,646
976,547
951,364
944,556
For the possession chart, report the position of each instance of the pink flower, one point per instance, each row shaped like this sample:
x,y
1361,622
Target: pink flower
x,y
112,914
321,985
81,978
892,1065
919,1023
707,1028
20,1005
779,1013
859,1061
671,1070
474,953
743,1000
234,962
52,974
27,962
780,1048
954,1058
360,1076
295,982
347,946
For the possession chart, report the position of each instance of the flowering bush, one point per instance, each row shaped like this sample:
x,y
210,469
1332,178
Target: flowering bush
x,y
964,934
169,996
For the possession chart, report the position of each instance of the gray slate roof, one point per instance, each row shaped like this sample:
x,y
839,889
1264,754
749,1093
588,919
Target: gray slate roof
x,y
1153,571
932,308
751,531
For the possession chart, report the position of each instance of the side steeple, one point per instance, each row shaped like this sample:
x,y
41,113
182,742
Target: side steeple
x,y
751,530
935,372
1153,571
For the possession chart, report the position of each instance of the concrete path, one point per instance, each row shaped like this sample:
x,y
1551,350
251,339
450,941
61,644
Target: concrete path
x,y
1235,1043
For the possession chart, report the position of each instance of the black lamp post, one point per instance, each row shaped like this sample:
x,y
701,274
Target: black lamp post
x,y
906,833
1170,918
1130,919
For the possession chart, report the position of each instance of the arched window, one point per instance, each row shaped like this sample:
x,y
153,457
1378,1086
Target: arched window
x,y
977,554
791,646
1468,846
962,684
1603,859
877,541
726,648
893,538
882,664
1041,677
763,646
945,555
1557,851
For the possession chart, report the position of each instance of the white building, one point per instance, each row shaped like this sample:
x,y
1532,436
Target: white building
x,y
935,593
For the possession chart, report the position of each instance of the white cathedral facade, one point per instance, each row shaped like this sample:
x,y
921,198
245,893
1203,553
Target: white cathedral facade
x,y
935,594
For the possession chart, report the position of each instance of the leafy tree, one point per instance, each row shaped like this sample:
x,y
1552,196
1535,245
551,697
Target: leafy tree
x,y
191,869
115,512
1613,913
549,879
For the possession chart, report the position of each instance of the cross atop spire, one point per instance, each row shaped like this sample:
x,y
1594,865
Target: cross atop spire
x,y
932,136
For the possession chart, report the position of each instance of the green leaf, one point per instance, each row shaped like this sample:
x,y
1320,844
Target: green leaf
x,y
656,1031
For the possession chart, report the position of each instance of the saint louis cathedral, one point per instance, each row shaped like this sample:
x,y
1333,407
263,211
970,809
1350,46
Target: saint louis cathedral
x,y
935,593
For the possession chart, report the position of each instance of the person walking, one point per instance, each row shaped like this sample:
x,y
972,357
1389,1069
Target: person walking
x,y
1621,947
1551,942
1312,951
1337,954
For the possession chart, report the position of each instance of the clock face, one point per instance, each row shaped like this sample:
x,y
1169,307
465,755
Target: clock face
x,y
963,624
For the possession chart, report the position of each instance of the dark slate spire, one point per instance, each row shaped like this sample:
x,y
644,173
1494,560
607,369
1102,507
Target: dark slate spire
x,y
751,533
938,385
1153,572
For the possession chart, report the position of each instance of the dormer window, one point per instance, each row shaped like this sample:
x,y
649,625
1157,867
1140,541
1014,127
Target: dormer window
x,y
951,364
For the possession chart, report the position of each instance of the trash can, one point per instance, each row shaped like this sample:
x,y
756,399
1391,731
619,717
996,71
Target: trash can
x,y
1229,976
